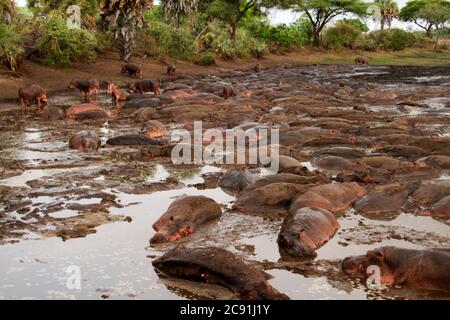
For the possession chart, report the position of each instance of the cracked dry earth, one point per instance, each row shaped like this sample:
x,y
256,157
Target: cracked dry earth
x,y
386,128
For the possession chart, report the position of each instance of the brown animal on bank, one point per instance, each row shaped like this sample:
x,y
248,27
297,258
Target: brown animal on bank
x,y
171,70
32,93
85,141
117,94
144,86
87,87
133,70
360,60
228,92
257,68
421,269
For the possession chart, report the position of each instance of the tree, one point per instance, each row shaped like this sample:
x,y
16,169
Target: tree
x,y
7,10
388,12
437,14
413,12
176,10
322,12
357,24
231,12
122,17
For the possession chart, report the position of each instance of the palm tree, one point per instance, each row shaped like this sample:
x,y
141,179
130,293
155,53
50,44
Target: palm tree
x,y
388,10
176,10
122,17
7,10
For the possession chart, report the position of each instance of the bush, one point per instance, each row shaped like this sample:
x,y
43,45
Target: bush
x,y
57,44
342,35
11,49
206,59
393,40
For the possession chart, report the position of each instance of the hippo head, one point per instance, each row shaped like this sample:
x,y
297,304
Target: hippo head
x,y
357,266
88,145
171,228
296,244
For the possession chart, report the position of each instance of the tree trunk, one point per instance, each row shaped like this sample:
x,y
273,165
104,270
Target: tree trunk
x,y
233,32
430,31
316,37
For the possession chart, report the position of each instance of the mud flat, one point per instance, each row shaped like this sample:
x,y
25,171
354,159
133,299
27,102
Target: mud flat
x,y
385,129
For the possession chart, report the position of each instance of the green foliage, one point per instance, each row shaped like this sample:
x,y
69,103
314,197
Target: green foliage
x,y
392,40
57,44
342,35
11,49
357,24
205,59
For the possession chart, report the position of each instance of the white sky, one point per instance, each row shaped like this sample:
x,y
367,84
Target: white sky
x,y
287,16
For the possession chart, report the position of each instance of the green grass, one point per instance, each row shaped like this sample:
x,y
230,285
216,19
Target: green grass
x,y
406,57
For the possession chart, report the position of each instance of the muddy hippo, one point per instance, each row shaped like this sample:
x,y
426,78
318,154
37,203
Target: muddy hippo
x,y
430,193
171,70
31,93
361,60
421,269
133,70
441,162
184,216
257,68
87,87
334,197
144,86
143,114
116,93
79,108
410,153
441,209
221,267
288,164
228,92
285,178
52,114
306,230
384,201
147,102
133,140
154,129
272,198
98,114
333,163
235,180
85,141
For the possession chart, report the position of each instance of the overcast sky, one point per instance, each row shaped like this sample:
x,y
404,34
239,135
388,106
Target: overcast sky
x,y
287,16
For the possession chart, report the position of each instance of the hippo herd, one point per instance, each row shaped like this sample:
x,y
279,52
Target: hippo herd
x,y
339,155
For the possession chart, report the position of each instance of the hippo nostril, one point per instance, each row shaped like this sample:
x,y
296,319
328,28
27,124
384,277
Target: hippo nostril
x,y
158,238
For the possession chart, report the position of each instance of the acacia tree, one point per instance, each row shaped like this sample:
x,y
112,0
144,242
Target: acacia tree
x,y
413,12
7,10
122,17
388,12
437,14
321,12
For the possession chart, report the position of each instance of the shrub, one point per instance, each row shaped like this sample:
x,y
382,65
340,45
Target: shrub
x,y
342,35
395,40
206,59
11,49
57,44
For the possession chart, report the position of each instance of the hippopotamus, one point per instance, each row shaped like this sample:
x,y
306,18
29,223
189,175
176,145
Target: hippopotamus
x,y
79,108
285,178
132,69
361,60
143,114
387,200
86,87
272,198
257,68
385,163
184,216
52,114
421,269
85,141
288,164
147,102
117,94
218,266
235,180
306,230
441,162
180,94
133,140
410,153
144,86
91,115
333,163
35,93
171,70
334,197
154,129
430,193
441,209
228,92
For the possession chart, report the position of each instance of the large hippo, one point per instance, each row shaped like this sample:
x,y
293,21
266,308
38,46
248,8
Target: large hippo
x,y
334,197
154,129
410,153
91,115
31,93
235,180
78,108
85,141
147,102
430,193
421,269
306,230
144,86
221,267
171,70
272,198
133,70
284,178
87,87
184,216
133,140
361,60
143,114
52,114
334,163
441,162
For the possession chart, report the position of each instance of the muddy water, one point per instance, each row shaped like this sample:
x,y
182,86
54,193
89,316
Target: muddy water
x,y
114,257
